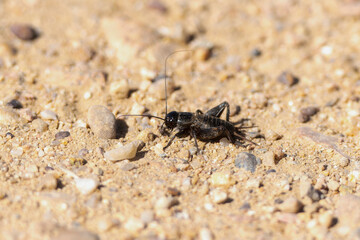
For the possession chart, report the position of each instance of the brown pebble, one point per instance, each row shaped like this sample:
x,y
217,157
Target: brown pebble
x,y
24,32
173,192
307,113
291,205
288,79
48,182
62,135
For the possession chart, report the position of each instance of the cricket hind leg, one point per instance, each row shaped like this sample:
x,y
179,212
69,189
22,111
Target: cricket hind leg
x,y
219,109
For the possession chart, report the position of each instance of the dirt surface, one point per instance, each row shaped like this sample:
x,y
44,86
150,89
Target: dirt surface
x,y
290,67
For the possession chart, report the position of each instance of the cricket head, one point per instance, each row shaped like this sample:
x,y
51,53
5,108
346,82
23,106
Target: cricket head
x,y
171,119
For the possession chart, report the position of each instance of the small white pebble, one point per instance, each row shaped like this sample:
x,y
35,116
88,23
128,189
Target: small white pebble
x,y
218,196
205,234
87,95
121,153
48,115
137,109
134,225
41,153
16,152
326,50
86,185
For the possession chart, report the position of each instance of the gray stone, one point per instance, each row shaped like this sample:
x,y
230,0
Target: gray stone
x,y
247,161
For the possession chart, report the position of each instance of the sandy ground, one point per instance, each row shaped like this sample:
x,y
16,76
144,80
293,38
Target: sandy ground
x,y
290,67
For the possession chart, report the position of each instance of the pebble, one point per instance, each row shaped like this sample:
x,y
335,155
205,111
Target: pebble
x,y
347,209
202,54
48,115
14,104
253,183
105,224
205,234
24,32
307,113
247,161
218,196
102,122
134,225
76,235
8,116
121,153
137,109
326,219
62,135
48,182
9,135
333,185
269,159
147,216
291,205
17,152
288,79
86,185
120,89
173,192
127,166
222,179
273,136
354,176
256,52
166,202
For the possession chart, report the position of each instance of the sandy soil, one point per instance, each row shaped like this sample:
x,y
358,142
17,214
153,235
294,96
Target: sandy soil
x,y
290,67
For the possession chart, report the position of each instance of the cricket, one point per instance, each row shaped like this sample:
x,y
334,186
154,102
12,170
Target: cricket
x,y
199,125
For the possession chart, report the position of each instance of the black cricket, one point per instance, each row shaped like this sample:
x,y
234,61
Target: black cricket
x,y
203,126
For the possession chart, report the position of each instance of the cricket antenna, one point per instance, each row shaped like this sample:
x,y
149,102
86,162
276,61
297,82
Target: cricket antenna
x,y
143,115
183,50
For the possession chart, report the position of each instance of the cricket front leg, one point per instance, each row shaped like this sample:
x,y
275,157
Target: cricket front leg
x,y
179,133
219,109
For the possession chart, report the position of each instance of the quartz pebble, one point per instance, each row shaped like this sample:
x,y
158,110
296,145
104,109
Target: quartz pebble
x,y
125,152
86,185
205,234
247,161
102,122
221,179
218,196
291,205
48,115
76,235
24,31
17,152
